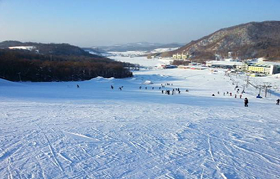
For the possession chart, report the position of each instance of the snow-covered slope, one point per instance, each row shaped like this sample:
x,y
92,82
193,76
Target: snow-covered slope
x,y
23,47
141,53
56,130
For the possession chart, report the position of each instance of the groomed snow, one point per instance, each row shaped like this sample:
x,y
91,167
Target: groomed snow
x,y
56,130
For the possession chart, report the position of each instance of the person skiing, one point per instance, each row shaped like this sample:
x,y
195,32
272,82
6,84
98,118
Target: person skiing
x,y
277,101
246,101
78,86
112,87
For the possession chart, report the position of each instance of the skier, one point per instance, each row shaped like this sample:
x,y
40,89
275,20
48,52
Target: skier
x,y
140,87
235,96
277,101
78,86
240,96
112,87
246,101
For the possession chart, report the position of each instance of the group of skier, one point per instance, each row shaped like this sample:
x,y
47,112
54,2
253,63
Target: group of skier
x,y
246,101
162,88
172,92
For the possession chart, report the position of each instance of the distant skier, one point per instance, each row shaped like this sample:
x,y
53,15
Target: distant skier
x,y
218,92
140,87
112,87
168,92
240,96
277,101
246,101
235,96
78,86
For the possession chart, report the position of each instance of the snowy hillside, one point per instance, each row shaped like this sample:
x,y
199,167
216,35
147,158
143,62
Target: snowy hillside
x,y
141,53
23,47
56,130
161,50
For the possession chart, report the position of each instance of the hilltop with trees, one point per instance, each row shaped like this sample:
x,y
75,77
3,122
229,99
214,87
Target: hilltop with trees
x,y
55,62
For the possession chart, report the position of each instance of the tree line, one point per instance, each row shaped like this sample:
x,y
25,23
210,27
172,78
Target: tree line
x,y
21,65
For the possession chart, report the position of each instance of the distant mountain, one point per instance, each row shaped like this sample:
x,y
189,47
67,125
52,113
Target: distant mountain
x,y
251,40
139,46
47,49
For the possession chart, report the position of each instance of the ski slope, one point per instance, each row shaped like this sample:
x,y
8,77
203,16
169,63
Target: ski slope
x,y
56,130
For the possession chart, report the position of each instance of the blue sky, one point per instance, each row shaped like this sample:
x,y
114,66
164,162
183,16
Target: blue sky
x,y
106,22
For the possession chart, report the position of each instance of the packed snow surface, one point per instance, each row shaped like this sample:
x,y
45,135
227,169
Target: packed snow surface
x,y
56,130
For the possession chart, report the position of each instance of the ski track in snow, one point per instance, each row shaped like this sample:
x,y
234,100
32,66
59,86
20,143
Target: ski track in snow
x,y
54,130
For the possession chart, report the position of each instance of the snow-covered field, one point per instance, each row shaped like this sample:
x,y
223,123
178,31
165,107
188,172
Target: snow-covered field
x,y
141,53
56,130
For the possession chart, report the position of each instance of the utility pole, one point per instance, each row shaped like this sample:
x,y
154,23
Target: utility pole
x,y
266,86
260,89
247,80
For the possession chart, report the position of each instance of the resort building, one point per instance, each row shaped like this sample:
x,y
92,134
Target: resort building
x,y
264,67
179,56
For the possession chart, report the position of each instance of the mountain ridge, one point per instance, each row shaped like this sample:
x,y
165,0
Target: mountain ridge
x,y
249,40
49,48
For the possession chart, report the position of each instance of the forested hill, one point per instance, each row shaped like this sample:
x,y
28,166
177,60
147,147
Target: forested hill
x,y
47,49
55,62
251,40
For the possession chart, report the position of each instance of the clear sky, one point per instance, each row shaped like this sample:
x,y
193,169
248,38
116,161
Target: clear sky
x,y
105,22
